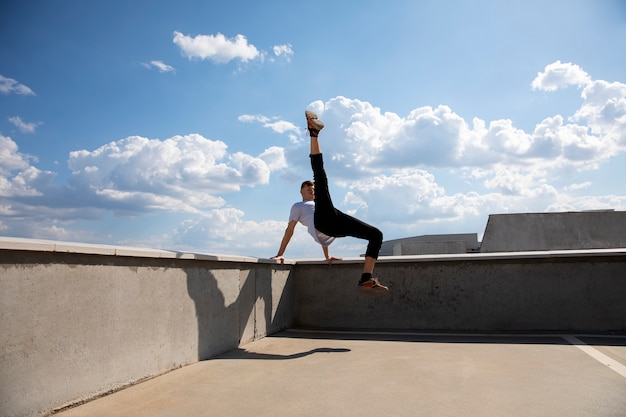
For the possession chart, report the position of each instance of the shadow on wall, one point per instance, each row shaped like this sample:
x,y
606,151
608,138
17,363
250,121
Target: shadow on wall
x,y
236,306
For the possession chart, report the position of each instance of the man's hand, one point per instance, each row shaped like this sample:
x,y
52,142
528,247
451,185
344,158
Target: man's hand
x,y
279,258
330,259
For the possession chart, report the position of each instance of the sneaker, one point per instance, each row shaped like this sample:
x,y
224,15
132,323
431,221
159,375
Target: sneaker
x,y
372,285
313,123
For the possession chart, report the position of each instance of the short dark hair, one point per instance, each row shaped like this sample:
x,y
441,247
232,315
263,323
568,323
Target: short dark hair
x,y
307,183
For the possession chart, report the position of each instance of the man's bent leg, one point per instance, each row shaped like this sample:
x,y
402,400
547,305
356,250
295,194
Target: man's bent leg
x,y
351,226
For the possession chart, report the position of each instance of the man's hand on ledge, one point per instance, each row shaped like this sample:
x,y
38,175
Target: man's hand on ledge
x,y
279,258
330,259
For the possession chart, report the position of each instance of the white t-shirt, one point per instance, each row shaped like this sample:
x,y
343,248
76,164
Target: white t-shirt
x,y
303,212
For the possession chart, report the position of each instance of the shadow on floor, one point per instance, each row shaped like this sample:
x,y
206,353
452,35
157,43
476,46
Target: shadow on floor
x,y
240,353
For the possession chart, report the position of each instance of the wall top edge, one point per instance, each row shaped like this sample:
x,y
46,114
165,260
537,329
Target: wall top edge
x,y
41,245
570,253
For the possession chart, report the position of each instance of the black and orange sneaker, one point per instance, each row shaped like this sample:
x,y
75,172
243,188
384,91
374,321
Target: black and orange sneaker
x,y
372,286
313,123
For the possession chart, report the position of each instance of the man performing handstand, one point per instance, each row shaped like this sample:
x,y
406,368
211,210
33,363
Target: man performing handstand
x,y
324,221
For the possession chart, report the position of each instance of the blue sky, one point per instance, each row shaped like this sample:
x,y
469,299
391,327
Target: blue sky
x,y
179,125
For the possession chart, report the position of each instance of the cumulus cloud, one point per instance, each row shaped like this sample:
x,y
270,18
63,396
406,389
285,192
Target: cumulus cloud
x,y
10,157
217,48
182,173
274,157
133,176
21,182
604,112
560,75
405,192
369,140
9,85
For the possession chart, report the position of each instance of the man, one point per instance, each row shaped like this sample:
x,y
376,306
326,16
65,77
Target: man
x,y
324,222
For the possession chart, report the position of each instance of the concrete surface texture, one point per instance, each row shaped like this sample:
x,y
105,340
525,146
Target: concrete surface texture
x,y
404,375
554,231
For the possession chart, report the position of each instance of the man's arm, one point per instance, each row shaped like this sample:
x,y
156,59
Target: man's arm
x,y
329,258
286,238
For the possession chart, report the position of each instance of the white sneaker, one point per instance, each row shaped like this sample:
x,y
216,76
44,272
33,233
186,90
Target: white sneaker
x,y
313,123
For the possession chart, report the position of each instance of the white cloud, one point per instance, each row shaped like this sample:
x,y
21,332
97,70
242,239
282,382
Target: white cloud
x,y
278,126
580,186
518,181
403,193
10,157
560,75
566,202
130,176
604,111
160,65
225,230
249,118
367,140
285,51
274,157
23,126
17,177
184,173
216,48
9,85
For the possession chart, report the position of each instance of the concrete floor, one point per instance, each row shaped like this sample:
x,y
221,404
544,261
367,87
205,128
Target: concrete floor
x,y
299,373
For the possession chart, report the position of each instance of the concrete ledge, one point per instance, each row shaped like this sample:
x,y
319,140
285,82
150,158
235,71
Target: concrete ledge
x,y
579,253
39,245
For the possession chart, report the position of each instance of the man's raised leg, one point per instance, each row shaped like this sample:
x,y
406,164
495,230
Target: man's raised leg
x,y
367,283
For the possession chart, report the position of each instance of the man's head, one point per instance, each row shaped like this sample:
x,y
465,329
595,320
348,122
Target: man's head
x,y
307,190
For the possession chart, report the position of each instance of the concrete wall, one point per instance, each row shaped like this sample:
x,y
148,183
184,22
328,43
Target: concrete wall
x,y
429,248
555,231
534,291
430,244
77,321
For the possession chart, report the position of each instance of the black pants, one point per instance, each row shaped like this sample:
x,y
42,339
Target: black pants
x,y
333,222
